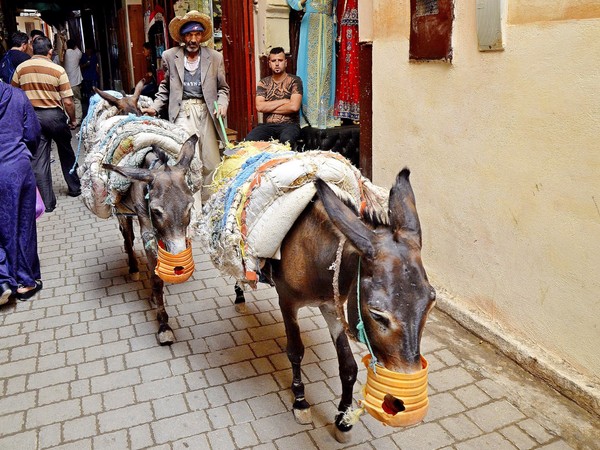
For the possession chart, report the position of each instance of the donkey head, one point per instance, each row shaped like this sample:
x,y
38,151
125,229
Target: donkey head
x,y
127,104
170,199
395,296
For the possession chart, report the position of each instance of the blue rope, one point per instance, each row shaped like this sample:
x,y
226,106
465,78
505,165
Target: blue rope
x,y
94,100
360,327
246,170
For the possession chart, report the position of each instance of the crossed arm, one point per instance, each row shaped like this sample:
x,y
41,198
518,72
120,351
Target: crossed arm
x,y
283,106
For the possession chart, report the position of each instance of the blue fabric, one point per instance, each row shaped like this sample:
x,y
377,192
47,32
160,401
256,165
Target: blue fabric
x,y
316,64
19,125
191,26
19,134
90,71
246,171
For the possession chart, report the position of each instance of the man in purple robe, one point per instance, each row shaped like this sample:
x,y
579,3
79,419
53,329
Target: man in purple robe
x,y
19,135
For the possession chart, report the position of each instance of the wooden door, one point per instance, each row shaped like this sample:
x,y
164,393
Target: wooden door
x,y
238,52
123,46
136,32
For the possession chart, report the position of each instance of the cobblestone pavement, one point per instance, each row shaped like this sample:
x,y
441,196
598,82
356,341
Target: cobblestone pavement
x,y
80,367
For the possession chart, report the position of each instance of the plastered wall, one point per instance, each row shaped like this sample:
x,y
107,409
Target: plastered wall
x,y
505,158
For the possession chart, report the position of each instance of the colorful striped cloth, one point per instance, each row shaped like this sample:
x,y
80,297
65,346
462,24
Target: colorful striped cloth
x,y
260,194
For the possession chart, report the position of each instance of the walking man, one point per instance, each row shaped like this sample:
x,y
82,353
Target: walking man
x,y
18,53
194,81
72,59
47,86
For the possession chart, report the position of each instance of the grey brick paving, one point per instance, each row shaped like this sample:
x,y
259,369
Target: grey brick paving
x,y
80,367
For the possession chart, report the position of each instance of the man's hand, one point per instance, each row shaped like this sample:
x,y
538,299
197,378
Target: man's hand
x,y
221,112
149,111
73,123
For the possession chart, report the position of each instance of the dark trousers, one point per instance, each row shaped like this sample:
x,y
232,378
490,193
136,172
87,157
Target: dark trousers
x,y
285,132
54,128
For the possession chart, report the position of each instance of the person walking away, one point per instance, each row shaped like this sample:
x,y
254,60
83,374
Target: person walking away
x,y
18,53
194,81
47,86
19,135
72,59
279,98
91,76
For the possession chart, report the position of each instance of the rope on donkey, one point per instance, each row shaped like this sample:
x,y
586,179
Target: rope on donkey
x,y
336,266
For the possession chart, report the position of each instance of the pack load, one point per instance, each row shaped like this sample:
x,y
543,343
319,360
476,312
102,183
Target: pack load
x,y
260,191
125,141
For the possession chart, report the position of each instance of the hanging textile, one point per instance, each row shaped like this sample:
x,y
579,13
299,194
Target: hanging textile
x,y
347,85
316,62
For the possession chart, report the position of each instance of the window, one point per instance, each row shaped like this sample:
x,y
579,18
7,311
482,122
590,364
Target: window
x,y
431,30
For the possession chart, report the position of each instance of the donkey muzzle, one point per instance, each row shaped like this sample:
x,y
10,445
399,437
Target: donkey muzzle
x,y
175,268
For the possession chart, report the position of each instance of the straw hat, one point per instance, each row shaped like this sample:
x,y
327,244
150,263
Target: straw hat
x,y
191,16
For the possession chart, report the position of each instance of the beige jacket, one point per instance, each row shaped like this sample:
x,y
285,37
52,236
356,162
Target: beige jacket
x,y
214,85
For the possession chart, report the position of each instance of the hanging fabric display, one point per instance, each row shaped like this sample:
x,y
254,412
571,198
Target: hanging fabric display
x,y
316,62
347,87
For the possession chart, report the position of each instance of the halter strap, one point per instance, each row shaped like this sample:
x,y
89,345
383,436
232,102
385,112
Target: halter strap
x,y
360,326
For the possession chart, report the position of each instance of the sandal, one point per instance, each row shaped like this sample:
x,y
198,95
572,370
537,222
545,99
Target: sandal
x,y
31,292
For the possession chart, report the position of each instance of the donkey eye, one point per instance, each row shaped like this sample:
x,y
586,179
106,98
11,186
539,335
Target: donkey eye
x,y
380,317
157,212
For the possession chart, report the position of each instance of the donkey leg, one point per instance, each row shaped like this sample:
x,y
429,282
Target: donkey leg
x,y
347,369
126,227
295,353
240,300
165,333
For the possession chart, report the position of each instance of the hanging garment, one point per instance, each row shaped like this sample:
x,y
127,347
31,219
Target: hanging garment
x,y
347,85
316,62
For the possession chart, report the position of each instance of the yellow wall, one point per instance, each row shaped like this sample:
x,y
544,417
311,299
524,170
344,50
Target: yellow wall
x,y
505,158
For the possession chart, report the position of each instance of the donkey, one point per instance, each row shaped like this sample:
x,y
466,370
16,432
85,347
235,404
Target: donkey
x,y
394,295
162,201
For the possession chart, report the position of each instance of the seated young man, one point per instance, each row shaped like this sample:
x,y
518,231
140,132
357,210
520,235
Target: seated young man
x,y
279,98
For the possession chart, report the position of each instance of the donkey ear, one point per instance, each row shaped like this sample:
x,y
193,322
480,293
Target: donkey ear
x,y
133,173
186,154
106,96
138,91
402,207
346,220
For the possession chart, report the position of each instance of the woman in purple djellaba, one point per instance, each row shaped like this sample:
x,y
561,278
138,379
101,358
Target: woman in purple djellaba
x,y
19,135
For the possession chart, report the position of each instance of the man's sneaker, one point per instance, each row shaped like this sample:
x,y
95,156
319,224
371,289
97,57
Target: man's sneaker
x,y
74,194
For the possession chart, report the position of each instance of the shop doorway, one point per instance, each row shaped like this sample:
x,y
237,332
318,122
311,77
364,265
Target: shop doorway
x,y
238,51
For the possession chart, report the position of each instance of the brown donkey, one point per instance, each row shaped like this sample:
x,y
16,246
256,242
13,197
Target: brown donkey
x,y
394,295
162,201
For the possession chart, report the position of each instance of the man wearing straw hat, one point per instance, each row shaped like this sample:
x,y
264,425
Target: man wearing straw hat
x,y
194,81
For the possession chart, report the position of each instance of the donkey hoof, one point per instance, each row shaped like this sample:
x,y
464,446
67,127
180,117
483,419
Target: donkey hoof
x,y
241,308
135,276
166,337
342,436
303,416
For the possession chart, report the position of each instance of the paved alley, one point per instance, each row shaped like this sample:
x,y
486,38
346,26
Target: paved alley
x,y
80,367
